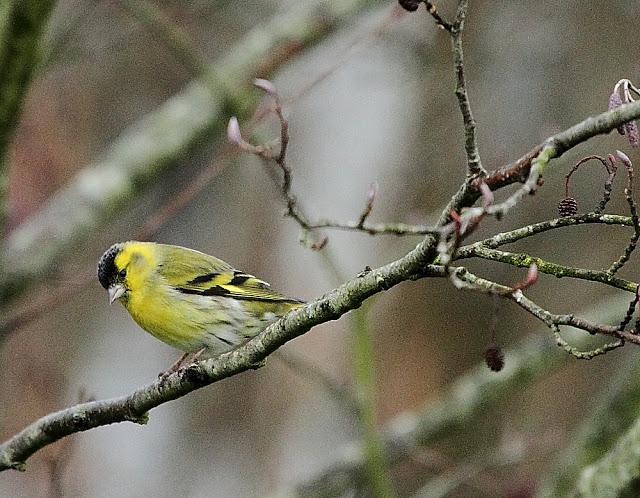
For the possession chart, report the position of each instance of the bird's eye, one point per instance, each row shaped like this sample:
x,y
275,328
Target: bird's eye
x,y
122,274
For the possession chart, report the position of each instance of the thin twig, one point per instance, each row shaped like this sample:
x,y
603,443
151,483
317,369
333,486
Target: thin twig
x,y
474,164
525,232
611,170
464,279
584,355
628,193
630,311
523,260
267,153
440,21
374,228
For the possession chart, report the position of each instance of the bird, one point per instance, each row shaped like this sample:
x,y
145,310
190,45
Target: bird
x,y
190,300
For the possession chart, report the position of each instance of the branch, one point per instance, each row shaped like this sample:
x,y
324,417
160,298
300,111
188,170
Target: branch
x,y
294,209
518,171
512,236
614,472
135,406
373,228
158,140
455,30
522,260
463,279
474,165
172,37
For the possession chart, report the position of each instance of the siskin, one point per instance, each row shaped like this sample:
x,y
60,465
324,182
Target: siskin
x,y
187,299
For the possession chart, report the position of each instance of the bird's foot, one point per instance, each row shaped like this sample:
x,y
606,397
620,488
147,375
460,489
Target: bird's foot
x,y
180,364
259,364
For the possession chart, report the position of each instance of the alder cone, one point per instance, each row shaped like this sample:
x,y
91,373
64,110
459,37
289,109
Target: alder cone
x,y
567,207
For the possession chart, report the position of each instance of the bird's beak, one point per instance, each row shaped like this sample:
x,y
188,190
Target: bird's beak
x,y
115,291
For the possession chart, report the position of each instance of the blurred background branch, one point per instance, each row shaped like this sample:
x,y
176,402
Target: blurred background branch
x,y
470,397
616,473
22,24
171,36
609,418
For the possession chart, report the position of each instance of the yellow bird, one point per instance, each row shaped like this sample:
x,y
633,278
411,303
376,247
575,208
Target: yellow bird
x,y
188,299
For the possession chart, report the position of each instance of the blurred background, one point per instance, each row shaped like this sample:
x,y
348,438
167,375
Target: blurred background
x,y
370,99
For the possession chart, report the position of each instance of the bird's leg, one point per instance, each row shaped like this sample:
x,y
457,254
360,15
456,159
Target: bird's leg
x,y
176,365
196,355
185,360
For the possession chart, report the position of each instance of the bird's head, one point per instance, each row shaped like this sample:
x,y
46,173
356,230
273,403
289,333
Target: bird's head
x,y
125,267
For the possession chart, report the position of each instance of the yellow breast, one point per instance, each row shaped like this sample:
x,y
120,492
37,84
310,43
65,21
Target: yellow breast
x,y
161,315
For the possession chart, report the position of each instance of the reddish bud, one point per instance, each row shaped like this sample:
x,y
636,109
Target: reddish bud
x,y
532,275
372,192
233,131
616,101
624,158
457,220
266,86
